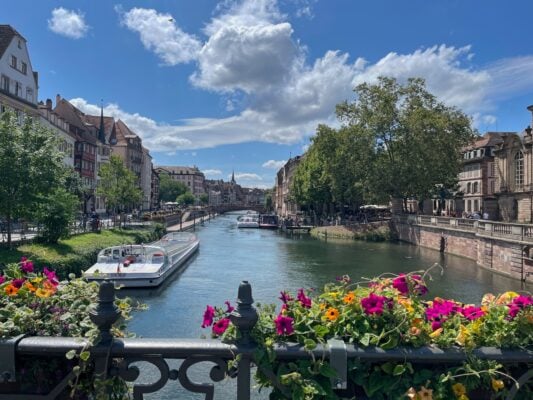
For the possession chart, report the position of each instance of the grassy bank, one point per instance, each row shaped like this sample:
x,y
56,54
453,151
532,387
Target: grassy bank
x,y
374,232
77,253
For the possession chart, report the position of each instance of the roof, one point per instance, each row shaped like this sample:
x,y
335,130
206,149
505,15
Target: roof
x,y
488,139
76,117
123,133
7,33
173,169
109,125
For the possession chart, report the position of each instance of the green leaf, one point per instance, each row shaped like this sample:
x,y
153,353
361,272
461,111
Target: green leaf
x,y
327,371
321,330
70,354
398,370
388,367
84,355
309,344
365,340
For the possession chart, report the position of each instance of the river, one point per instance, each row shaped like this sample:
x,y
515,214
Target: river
x,y
272,261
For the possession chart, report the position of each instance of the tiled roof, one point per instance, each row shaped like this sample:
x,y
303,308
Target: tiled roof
x,y
488,139
7,33
179,170
109,123
123,132
75,117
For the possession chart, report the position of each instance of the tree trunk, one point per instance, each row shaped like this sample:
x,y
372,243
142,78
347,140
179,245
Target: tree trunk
x,y
9,222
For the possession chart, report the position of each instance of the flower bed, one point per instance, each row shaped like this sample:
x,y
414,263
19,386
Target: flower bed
x,y
38,304
389,312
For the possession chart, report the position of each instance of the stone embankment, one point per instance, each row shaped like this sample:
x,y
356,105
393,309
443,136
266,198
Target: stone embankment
x,y
373,231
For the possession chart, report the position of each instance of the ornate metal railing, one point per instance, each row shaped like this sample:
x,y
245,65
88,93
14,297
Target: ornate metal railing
x,y
113,357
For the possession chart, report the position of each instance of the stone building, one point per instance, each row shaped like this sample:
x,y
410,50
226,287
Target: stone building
x,y
191,177
284,204
146,179
19,83
52,121
154,204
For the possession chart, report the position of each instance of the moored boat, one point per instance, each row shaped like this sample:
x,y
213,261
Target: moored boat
x,y
268,221
144,265
248,221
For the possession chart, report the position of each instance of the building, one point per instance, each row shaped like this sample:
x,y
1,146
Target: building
x,y
146,179
19,83
155,190
284,204
191,177
51,120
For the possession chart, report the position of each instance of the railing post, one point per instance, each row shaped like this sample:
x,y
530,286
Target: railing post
x,y
244,317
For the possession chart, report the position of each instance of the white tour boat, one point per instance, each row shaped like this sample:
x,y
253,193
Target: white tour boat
x,y
141,265
248,221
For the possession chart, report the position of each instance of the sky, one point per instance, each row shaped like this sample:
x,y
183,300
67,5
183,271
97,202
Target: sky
x,y
241,85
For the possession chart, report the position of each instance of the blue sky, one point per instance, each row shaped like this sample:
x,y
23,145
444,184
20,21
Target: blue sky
x,y
241,85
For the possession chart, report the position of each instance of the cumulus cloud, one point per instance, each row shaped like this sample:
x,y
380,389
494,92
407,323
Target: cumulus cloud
x,y
160,34
68,23
212,172
246,176
249,51
272,164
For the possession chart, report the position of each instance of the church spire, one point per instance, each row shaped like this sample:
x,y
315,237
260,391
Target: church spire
x,y
101,131
233,176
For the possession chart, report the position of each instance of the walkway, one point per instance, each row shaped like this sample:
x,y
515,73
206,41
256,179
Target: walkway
x,y
184,226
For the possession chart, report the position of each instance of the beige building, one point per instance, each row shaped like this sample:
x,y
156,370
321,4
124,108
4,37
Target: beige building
x,y
284,205
52,121
191,177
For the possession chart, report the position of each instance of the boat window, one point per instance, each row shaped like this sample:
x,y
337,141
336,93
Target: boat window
x,y
116,254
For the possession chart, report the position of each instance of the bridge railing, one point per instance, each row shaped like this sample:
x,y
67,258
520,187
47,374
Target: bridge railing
x,y
114,357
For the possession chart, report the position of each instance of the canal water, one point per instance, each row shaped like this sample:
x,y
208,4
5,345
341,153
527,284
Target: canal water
x,y
273,261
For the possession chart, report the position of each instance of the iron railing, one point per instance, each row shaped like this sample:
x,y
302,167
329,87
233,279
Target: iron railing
x,y
113,357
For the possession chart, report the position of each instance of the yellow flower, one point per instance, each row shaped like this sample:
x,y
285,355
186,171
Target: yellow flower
x,y
37,280
349,298
334,294
411,393
415,331
475,326
497,384
459,389
11,290
425,393
332,314
463,397
407,304
29,286
488,299
506,297
322,306
436,333
42,293
463,336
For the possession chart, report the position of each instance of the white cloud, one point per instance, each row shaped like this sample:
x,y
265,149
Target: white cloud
x,y
212,172
246,176
68,23
160,33
272,164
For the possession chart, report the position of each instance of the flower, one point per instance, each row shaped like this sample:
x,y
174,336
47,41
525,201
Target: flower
x,y
221,325
459,389
400,284
29,286
349,298
18,282
519,303
436,333
373,304
303,299
208,316
497,384
332,314
51,276
425,393
26,266
230,307
472,313
284,325
42,293
285,297
11,290
2,279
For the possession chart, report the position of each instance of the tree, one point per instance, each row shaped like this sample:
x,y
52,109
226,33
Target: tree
x,y
55,212
204,199
31,167
186,198
118,185
170,189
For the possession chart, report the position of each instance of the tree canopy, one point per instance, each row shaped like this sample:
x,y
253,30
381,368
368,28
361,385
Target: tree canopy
x,y
186,198
394,141
31,167
169,189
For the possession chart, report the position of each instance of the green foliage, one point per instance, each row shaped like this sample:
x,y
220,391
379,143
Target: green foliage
x,y
387,313
204,198
169,189
55,212
186,199
31,166
118,185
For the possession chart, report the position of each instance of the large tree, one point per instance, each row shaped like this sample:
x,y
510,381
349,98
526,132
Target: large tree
x,y
170,189
118,185
31,167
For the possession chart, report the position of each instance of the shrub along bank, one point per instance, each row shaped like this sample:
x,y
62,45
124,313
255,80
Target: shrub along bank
x,y
79,252
373,232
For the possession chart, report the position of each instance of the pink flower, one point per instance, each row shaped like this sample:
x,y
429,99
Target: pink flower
x,y
518,304
303,299
51,276
436,325
441,309
401,284
220,326
230,307
472,313
18,282
284,325
285,297
26,266
22,259
2,279
373,304
208,316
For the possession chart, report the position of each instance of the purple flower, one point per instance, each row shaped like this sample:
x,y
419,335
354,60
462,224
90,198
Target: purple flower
x,y
26,266
230,307
373,304
285,297
208,316
303,299
400,284
51,276
472,313
441,309
220,326
436,325
284,325
2,279
18,282
518,304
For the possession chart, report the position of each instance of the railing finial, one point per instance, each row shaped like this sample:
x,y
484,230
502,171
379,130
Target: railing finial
x,y
106,312
245,315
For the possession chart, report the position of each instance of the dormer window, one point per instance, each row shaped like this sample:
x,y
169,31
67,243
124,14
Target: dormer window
x,y
19,44
14,62
24,68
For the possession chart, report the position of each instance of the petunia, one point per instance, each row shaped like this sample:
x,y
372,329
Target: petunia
x,y
303,299
400,284
284,325
221,325
472,313
285,297
373,304
2,279
26,266
11,290
519,303
51,276
208,316
18,282
230,307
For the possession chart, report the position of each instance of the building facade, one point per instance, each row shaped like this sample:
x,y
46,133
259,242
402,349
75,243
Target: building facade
x,y
284,204
191,177
52,121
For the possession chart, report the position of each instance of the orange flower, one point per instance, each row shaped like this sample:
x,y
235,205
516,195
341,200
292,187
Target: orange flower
x,y
11,290
332,314
425,393
29,286
415,331
349,298
497,384
459,389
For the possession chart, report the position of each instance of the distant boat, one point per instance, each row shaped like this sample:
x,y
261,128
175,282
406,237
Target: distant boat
x,y
268,221
144,265
248,221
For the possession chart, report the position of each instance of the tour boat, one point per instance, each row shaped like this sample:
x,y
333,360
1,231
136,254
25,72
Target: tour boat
x,y
267,221
142,265
248,221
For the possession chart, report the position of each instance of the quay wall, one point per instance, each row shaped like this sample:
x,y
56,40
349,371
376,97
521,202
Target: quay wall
x,y
507,252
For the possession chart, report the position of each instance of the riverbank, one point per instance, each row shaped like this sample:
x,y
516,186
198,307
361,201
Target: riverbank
x,y
79,252
373,231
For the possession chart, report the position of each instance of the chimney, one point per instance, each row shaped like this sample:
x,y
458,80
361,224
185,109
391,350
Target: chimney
x,y
58,99
49,104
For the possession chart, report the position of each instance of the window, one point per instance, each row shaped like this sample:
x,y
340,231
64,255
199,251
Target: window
x,y
519,169
468,186
492,169
29,94
5,83
469,206
475,187
18,89
492,187
476,205
19,44
14,62
24,68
